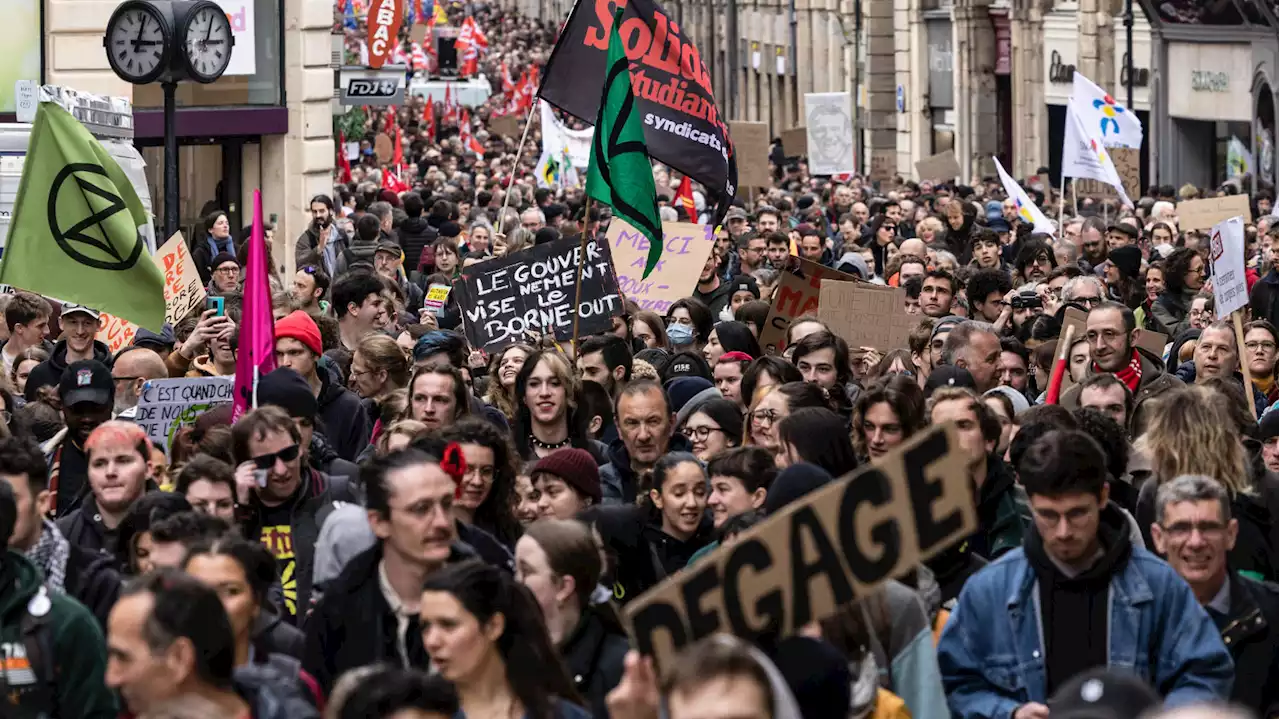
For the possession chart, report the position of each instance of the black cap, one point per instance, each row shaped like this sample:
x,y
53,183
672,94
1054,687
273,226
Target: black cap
x,y
948,376
1103,694
286,389
87,381
1124,228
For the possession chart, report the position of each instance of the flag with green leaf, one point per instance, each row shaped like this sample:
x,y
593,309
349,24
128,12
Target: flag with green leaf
x,y
620,174
74,231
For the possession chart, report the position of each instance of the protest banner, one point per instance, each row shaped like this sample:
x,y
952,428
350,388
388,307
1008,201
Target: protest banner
x,y
795,296
683,126
939,167
1226,248
866,315
1204,214
505,126
795,142
505,299
687,247
167,405
183,293
829,120
751,149
818,553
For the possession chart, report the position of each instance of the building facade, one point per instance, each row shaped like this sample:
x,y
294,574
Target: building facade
x,y
266,124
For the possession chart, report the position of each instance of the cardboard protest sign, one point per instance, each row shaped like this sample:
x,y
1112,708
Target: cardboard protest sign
x,y
1204,214
866,315
795,142
505,299
382,147
795,296
939,167
1226,249
505,126
168,405
183,293
751,149
818,553
1127,162
687,246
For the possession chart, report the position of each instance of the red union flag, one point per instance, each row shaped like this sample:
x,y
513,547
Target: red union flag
x,y
384,21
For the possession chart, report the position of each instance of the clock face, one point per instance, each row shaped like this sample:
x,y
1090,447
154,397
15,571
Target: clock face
x,y
208,43
137,44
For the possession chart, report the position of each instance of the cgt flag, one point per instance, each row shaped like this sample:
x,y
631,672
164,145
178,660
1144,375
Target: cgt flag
x,y
682,125
74,231
620,174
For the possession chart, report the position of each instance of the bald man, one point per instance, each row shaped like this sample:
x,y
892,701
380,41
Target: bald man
x,y
913,247
131,370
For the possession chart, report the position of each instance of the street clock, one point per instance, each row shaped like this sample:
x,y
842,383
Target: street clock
x,y
168,41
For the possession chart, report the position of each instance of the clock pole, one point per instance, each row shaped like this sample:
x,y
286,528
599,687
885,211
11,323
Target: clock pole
x,y
170,159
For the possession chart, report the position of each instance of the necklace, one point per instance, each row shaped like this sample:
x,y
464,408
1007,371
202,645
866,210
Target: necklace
x,y
539,444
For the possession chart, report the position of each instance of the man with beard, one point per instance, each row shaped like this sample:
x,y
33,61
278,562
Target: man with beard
x,y
130,372
87,392
280,502
1093,243
369,613
1111,331
79,342
322,243
605,360
711,289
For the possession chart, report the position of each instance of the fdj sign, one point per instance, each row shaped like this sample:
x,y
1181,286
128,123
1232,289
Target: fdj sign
x,y
379,88
372,88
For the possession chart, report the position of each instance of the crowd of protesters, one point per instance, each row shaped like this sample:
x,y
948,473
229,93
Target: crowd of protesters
x,y
406,526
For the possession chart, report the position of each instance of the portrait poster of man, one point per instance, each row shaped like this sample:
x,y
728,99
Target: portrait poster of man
x,y
830,124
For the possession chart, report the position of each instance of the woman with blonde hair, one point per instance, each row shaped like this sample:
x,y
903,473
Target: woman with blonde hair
x,y
518,239
1191,432
503,368
399,435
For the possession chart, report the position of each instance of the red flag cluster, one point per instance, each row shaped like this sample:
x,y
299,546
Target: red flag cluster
x,y
470,43
520,95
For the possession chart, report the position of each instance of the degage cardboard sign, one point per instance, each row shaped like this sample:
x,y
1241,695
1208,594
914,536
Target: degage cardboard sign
x,y
1204,214
795,296
818,553
686,248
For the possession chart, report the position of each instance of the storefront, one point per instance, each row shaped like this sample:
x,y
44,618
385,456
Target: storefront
x,y
1218,68
1061,50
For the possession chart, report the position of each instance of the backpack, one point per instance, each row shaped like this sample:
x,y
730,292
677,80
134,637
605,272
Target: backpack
x,y
360,256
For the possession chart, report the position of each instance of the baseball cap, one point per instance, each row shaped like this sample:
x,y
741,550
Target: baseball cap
x,y
1103,693
946,324
69,309
87,381
948,376
735,213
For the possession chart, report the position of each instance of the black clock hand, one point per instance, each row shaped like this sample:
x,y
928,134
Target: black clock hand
x,y
137,42
209,32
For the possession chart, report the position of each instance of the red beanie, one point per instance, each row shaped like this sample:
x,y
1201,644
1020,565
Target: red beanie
x,y
299,326
576,467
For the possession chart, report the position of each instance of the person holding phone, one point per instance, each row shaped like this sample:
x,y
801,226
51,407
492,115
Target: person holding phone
x,y
323,242
207,351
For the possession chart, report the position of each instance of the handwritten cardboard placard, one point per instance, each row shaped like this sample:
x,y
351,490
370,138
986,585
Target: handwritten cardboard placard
x,y
183,293
940,167
1127,162
505,299
505,126
795,295
795,142
168,405
866,315
817,554
1204,214
751,148
686,246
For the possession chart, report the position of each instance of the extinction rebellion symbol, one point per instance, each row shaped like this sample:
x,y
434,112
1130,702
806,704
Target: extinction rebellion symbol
x,y
73,240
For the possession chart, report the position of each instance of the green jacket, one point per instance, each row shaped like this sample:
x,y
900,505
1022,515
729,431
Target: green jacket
x,y
79,652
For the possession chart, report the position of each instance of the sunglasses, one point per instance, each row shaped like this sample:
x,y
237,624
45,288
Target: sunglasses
x,y
286,455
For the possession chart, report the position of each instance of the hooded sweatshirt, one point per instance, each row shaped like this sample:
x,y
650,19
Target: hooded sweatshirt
x,y
346,424
49,372
1075,606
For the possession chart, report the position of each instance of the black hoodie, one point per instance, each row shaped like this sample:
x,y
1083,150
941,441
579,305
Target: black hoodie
x,y
415,234
1074,611
346,424
49,372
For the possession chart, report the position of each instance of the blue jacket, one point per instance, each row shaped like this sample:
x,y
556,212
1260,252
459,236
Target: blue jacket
x,y
990,652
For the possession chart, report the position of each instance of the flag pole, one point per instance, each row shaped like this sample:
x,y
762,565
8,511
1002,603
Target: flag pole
x,y
1244,363
582,260
506,199
1062,202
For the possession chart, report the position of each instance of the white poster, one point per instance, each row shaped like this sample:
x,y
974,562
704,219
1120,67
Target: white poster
x,y
1226,247
244,53
828,118
556,135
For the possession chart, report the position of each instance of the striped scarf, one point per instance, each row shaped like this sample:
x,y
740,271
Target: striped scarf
x,y
51,553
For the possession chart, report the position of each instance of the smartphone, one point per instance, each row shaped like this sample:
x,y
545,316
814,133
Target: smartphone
x,y
219,304
260,475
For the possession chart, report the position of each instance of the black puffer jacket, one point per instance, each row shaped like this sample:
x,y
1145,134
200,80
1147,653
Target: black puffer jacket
x,y
1249,630
346,424
641,554
593,652
416,234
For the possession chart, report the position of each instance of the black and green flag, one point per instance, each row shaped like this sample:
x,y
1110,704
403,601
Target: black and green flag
x,y
620,173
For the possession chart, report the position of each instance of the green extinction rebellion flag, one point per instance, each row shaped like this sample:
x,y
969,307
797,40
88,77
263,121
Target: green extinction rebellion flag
x,y
619,173
74,231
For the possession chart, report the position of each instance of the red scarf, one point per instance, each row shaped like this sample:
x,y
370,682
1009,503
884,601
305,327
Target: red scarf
x,y
1130,374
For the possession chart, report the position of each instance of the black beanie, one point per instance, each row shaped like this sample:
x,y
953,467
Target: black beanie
x,y
793,483
818,676
286,389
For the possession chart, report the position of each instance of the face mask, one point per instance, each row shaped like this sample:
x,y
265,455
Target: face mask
x,y
680,335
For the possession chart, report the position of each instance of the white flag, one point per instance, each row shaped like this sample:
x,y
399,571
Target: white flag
x,y
1027,209
1115,124
1084,155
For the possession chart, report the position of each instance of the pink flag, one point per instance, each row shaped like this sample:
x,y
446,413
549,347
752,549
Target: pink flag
x,y
256,354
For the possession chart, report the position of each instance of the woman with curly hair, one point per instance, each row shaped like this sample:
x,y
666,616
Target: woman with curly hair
x,y
485,492
1184,276
503,368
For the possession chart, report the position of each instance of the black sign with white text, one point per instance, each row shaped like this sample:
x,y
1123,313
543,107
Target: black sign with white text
x,y
531,293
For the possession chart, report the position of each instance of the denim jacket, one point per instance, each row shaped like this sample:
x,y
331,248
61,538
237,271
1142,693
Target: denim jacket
x,y
991,657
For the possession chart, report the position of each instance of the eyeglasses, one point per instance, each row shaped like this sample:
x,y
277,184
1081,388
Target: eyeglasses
x,y
1088,302
227,271
1179,531
764,417
1260,345
267,461
700,433
1106,335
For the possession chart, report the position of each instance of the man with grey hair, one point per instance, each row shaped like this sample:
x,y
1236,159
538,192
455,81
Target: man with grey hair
x,y
386,218
131,370
533,220
1196,533
975,346
1086,291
